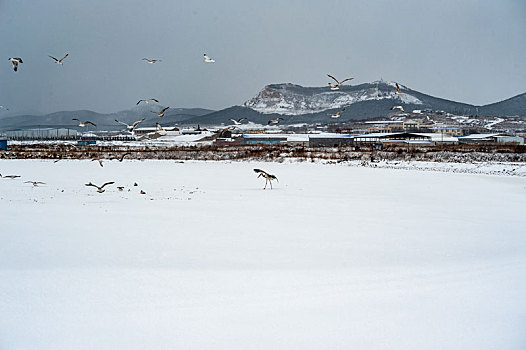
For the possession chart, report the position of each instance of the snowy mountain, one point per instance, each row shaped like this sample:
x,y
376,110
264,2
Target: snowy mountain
x,y
290,99
293,103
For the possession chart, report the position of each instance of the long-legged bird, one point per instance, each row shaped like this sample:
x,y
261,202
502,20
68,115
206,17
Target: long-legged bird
x,y
268,177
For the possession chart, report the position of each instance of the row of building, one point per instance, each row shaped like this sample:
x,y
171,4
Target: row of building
x,y
328,139
305,139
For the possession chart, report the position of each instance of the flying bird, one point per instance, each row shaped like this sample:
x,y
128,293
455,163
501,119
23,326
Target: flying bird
x,y
59,61
160,128
122,157
268,177
98,160
398,91
238,121
15,61
398,107
100,189
9,176
207,59
35,183
146,101
150,61
161,113
131,127
274,121
338,83
83,124
222,133
155,134
337,114
120,188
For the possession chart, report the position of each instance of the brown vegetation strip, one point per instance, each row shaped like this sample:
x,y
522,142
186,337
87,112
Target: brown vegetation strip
x,y
445,153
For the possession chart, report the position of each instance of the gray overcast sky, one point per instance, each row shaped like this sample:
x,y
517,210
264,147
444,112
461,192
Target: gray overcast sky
x,y
471,51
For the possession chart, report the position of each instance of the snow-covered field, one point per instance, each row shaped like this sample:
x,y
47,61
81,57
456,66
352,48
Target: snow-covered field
x,y
334,257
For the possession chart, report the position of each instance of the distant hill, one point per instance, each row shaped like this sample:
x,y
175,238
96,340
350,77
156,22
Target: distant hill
x,y
298,104
103,121
512,106
293,103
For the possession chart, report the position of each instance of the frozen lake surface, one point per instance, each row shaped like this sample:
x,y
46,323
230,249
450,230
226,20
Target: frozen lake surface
x,y
334,257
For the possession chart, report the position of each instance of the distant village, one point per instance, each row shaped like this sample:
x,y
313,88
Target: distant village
x,y
418,128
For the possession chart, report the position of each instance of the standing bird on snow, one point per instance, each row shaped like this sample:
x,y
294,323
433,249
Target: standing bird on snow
x,y
274,121
207,59
100,189
268,177
131,127
337,114
83,124
238,122
59,61
161,113
338,83
16,61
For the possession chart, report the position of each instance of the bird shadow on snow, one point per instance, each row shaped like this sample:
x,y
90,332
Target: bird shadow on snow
x,y
260,189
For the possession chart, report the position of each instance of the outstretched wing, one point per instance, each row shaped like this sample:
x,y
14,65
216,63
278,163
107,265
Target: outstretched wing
x,y
137,123
88,122
398,91
154,99
164,109
241,119
62,59
56,60
336,80
76,119
107,183
90,184
259,171
344,80
118,121
140,101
